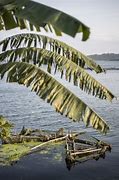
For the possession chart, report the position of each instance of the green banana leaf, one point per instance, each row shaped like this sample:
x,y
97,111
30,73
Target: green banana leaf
x,y
54,45
33,15
72,72
49,89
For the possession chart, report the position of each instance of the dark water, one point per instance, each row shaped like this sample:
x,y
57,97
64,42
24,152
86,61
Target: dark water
x,y
24,108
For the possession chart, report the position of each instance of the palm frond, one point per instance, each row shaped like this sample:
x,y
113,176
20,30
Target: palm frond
x,y
54,61
45,42
49,89
30,14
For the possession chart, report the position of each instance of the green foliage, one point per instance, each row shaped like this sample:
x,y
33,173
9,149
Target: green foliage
x,y
79,76
5,127
21,63
53,45
63,100
67,67
32,15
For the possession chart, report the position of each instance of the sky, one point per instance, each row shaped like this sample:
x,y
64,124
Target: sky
x,y
102,16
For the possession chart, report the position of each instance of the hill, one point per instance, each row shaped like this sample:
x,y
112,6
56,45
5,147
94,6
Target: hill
x,y
105,56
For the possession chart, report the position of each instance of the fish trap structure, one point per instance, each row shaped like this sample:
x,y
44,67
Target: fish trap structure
x,y
84,147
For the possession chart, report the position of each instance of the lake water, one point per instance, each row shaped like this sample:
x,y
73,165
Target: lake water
x,y
22,107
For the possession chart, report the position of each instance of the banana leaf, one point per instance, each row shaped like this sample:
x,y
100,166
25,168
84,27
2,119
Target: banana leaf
x,y
53,92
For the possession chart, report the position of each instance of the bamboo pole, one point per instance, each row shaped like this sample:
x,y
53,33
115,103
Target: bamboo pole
x,y
35,148
47,142
87,151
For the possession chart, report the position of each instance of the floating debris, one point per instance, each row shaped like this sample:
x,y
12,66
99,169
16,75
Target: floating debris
x,y
79,150
79,147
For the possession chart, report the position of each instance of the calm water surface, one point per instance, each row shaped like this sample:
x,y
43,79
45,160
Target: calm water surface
x,y
22,107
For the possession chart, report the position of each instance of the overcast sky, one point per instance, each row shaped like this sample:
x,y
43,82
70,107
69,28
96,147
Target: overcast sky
x,y
102,16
